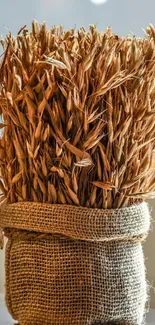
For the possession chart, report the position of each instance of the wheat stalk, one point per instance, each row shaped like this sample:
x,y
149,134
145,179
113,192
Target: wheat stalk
x,y
79,117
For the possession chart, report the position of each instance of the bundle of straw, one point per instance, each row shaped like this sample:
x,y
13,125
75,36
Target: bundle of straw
x,y
79,117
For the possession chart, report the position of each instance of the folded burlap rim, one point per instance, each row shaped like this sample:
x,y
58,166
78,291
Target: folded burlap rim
x,y
77,222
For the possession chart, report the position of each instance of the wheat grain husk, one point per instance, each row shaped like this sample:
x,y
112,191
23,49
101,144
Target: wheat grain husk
x,y
78,108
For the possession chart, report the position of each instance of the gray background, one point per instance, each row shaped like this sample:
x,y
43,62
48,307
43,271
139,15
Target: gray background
x,y
125,17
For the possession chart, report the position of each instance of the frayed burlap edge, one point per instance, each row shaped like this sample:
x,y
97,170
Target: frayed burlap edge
x,y
77,222
1,239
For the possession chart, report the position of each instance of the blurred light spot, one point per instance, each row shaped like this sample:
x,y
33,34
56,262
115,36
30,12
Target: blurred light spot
x,y
98,2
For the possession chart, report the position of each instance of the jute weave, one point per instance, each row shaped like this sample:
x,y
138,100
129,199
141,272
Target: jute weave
x,y
68,265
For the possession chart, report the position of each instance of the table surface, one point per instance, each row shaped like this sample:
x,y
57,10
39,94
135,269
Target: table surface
x,y
5,318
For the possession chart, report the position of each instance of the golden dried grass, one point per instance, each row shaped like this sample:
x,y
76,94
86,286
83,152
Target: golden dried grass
x,y
79,117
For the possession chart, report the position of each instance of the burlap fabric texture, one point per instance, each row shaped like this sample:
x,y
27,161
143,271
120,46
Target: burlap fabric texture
x,y
69,265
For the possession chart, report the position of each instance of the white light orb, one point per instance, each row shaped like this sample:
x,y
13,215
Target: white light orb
x,y
98,2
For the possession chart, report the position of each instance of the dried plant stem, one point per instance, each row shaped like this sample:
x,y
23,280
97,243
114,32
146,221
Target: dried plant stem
x,y
79,117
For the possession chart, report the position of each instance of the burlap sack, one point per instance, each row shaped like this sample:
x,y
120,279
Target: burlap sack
x,y
1,239
68,265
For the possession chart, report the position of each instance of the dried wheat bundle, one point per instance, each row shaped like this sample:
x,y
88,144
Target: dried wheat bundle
x,y
79,117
